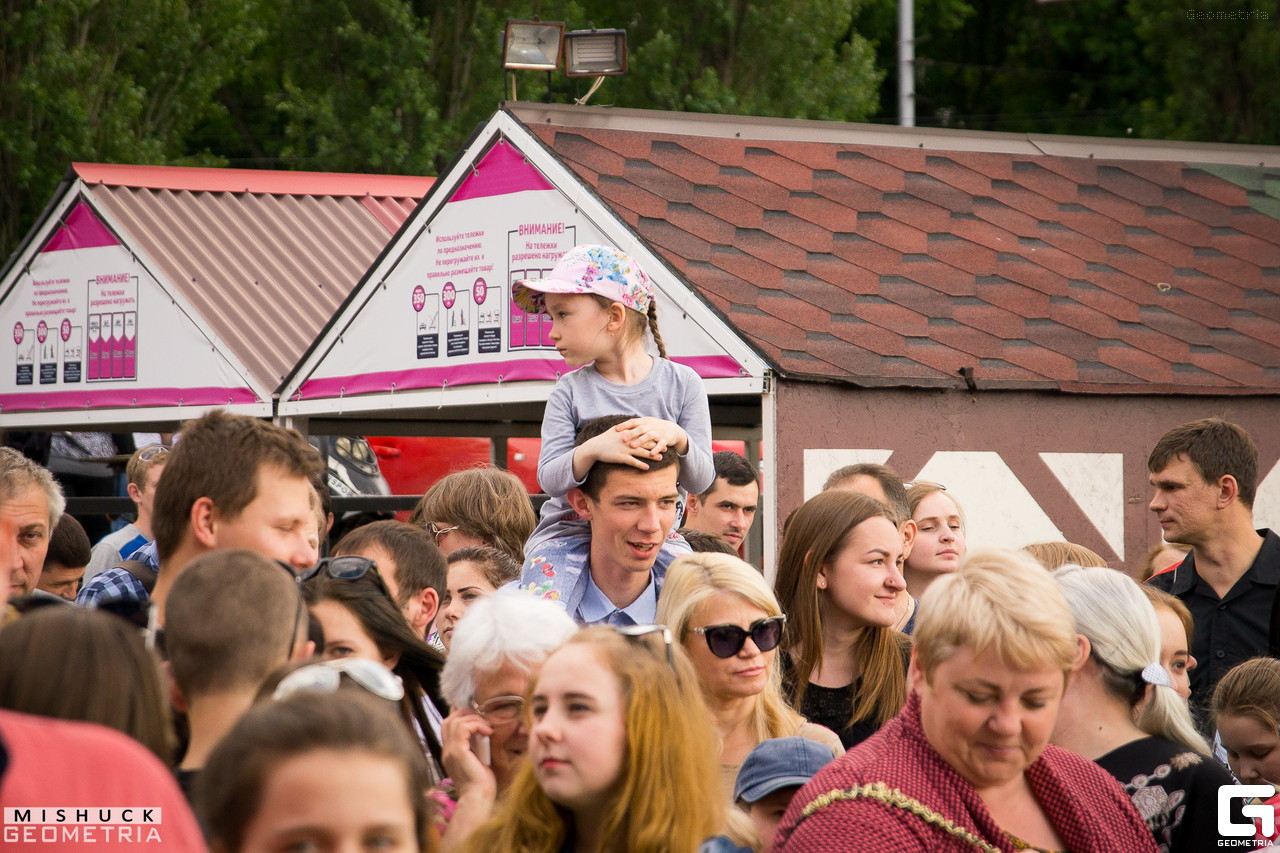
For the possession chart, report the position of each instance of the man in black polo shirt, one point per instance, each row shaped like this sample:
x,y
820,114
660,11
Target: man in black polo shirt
x,y
1205,474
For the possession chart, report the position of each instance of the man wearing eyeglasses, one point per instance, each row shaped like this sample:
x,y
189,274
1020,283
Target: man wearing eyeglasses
x,y
608,577
231,482
143,473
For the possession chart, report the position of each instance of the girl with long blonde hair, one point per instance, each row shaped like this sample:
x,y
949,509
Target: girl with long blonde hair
x,y
622,755
839,582
726,616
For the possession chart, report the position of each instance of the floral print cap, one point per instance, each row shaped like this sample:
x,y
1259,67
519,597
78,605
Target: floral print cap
x,y
602,270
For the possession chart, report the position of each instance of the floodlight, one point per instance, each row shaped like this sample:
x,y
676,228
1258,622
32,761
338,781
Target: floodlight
x,y
532,45
595,53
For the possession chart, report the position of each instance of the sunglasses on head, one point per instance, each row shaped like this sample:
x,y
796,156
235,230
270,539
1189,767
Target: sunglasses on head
x,y
725,641
340,568
638,633
152,451
326,677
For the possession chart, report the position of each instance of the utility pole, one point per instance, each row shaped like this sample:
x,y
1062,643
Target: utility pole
x,y
906,63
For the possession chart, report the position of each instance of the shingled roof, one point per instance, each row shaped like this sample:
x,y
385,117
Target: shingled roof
x,y
890,257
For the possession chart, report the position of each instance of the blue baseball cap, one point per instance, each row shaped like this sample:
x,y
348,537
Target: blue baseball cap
x,y
779,763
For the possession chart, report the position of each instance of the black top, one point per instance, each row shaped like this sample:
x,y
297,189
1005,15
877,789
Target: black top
x,y
1231,629
1175,790
830,706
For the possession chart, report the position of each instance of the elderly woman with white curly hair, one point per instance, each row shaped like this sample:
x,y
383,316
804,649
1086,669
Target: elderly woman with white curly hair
x,y
497,649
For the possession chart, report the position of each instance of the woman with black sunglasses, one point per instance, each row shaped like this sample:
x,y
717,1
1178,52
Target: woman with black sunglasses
x,y
360,619
728,620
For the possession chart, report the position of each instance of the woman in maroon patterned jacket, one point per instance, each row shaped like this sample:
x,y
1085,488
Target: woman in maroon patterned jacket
x,y
967,766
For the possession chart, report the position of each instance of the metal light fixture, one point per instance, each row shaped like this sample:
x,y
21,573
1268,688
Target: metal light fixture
x,y
532,45
595,53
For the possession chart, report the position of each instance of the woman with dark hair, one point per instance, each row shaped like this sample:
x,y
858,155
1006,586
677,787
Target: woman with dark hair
x,y
315,771
473,573
839,582
115,681
360,619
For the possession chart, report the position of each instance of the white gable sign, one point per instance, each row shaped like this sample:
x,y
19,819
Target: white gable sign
x,y
95,338
434,322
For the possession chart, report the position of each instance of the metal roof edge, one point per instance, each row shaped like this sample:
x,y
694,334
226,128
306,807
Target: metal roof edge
x,y
256,181
756,128
988,386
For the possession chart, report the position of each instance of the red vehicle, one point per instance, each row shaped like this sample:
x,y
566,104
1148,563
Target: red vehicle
x,y
411,464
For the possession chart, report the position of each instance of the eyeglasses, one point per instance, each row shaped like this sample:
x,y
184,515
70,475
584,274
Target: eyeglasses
x,y
725,641
500,710
154,451
912,484
438,531
639,632
326,677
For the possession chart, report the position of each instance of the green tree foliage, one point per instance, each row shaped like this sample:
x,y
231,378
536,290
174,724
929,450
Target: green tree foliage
x,y
334,86
121,80
795,59
1017,65
1220,60
398,85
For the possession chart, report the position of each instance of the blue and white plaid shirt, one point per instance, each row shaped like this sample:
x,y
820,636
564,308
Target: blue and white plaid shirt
x,y
118,584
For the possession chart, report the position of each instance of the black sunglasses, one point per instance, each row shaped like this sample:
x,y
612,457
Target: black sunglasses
x,y
348,568
725,641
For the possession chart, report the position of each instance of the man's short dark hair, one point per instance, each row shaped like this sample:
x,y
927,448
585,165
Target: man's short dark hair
x,y
1215,448
895,493
69,545
218,457
419,563
702,542
732,467
229,618
599,473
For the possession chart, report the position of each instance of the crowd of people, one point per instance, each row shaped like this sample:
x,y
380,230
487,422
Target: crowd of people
x,y
602,678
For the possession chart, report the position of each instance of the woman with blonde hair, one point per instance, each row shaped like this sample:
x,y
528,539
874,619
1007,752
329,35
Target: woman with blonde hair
x,y
939,545
967,764
1051,555
1121,710
622,754
839,582
1176,630
723,612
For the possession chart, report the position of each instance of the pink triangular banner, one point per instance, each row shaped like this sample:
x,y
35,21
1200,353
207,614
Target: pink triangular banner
x,y
501,171
81,230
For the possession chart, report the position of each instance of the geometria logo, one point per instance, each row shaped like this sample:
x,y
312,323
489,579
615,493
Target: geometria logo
x,y
1265,814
